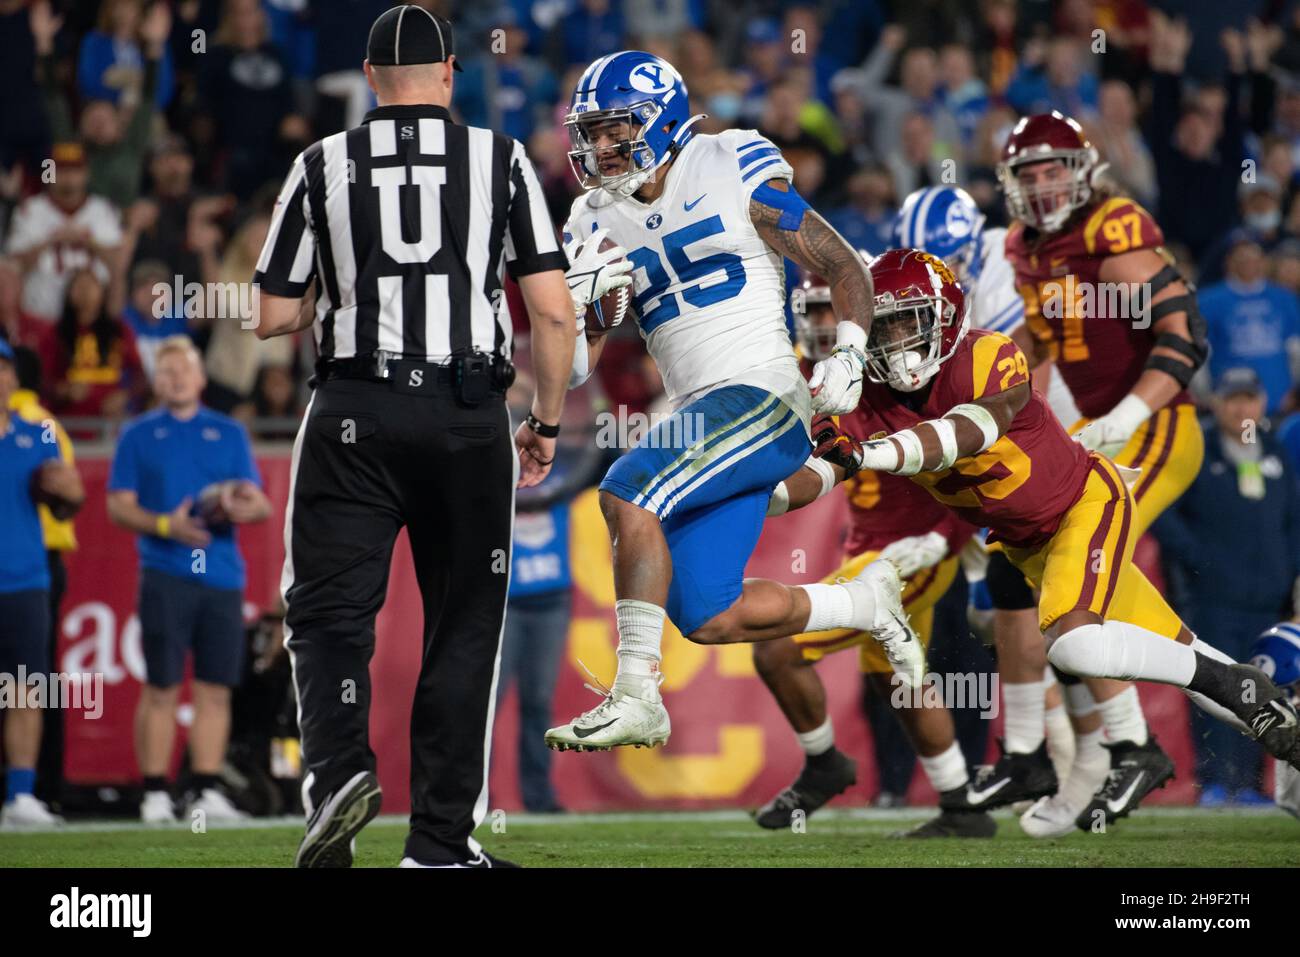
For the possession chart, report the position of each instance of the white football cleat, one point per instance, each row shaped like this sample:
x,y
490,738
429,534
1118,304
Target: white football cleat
x,y
1051,817
621,719
888,622
216,806
26,810
157,808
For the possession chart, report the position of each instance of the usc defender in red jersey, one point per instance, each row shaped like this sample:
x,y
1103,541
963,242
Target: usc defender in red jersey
x,y
953,409
893,518
1104,301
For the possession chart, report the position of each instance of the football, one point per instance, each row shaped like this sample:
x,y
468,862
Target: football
x,y
610,309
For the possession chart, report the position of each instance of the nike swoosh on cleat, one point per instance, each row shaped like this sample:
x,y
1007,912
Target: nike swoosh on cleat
x,y
979,797
690,206
1116,806
588,732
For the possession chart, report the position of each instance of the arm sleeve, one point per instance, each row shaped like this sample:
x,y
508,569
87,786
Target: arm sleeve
x,y
288,261
530,242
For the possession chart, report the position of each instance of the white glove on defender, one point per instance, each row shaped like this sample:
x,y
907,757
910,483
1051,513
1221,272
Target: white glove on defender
x,y
836,381
916,552
593,273
1110,433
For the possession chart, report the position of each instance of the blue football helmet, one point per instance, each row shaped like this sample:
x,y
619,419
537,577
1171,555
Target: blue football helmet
x,y
945,222
1277,654
642,91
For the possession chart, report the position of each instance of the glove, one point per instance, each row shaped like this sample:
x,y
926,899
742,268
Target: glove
x,y
836,446
836,381
593,273
916,552
1110,433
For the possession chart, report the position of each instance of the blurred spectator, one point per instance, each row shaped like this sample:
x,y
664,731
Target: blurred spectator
x,y
29,459
1058,82
1260,211
24,132
1285,263
276,398
917,160
783,122
765,57
1117,136
233,356
61,231
1197,153
1253,323
115,137
592,29
171,223
152,324
60,538
110,63
868,217
918,93
803,27
662,18
244,84
1245,492
90,361
338,55
182,478
11,295
509,91
962,93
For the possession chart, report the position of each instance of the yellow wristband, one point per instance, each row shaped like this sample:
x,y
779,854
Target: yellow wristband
x,y
163,526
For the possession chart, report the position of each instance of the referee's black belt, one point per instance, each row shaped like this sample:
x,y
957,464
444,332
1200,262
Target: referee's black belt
x,y
473,375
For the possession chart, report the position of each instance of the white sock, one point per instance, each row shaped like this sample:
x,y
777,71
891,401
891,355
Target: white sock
x,y
1060,740
1022,709
819,740
947,770
1122,717
640,633
1126,652
830,606
1091,765
1078,700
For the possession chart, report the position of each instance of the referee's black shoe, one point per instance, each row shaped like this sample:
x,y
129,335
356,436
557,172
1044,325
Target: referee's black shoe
x,y
337,821
1015,777
1135,771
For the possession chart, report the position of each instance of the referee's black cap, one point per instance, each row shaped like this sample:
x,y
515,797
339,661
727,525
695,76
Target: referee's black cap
x,y
408,35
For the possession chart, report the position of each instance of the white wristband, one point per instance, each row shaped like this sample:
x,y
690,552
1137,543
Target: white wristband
x,y
947,431
779,503
824,472
851,336
1129,413
913,454
981,418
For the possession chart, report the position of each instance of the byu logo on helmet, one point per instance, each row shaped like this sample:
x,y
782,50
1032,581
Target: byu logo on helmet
x,y
944,221
651,78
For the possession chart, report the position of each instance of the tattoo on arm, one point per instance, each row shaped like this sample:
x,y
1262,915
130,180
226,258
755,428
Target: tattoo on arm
x,y
818,248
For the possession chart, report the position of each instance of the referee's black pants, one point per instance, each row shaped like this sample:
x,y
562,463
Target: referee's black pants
x,y
368,460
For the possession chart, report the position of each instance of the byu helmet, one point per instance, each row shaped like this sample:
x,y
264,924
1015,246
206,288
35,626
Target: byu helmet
x,y
1277,653
646,93
945,222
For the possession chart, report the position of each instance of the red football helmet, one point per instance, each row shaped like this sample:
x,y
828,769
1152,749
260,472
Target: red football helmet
x,y
919,319
1053,193
814,323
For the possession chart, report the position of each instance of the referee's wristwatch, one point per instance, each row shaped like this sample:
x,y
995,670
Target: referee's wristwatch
x,y
545,431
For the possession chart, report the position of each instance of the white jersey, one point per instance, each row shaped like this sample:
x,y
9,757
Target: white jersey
x,y
996,304
707,291
34,222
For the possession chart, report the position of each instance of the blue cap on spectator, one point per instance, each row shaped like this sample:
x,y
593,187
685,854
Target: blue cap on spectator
x,y
1237,381
763,31
6,350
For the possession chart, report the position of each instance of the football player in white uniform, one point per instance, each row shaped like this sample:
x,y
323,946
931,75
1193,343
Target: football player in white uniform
x,y
704,221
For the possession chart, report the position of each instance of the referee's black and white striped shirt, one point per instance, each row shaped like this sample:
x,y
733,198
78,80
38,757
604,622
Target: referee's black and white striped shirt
x,y
404,222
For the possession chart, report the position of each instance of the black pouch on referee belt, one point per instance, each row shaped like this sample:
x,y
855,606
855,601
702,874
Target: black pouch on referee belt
x,y
478,375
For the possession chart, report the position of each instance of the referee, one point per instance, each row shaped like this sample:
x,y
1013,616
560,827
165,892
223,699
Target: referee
x,y
402,225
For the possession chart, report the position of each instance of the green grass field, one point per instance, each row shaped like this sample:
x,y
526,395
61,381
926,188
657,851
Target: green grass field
x,y
1155,838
